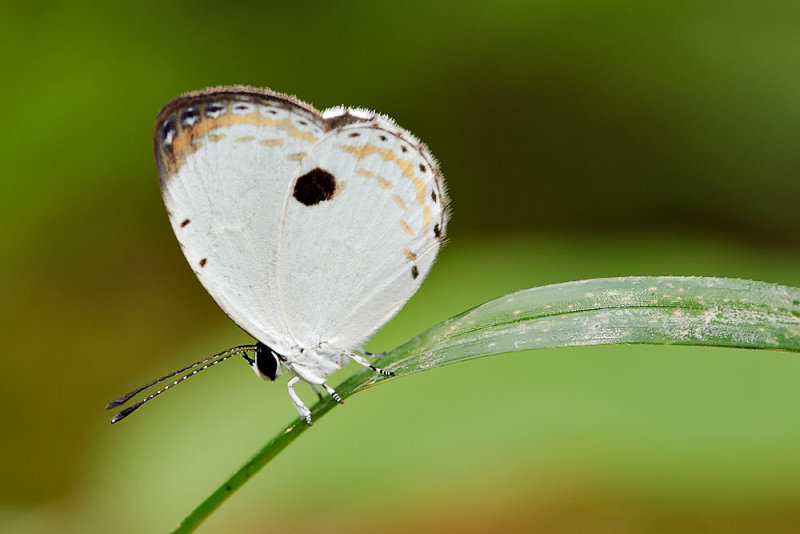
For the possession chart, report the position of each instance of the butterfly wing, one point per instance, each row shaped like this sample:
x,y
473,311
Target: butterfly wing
x,y
362,226
226,159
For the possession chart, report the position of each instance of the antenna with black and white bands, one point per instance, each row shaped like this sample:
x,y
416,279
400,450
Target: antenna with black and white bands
x,y
197,366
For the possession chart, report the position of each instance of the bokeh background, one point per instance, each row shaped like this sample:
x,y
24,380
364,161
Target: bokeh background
x,y
579,140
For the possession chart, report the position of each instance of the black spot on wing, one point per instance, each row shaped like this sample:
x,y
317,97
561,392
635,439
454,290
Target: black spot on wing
x,y
314,187
414,272
189,116
203,262
214,109
168,131
437,232
185,222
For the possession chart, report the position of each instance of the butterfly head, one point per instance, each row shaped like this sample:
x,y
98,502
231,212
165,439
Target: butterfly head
x,y
267,363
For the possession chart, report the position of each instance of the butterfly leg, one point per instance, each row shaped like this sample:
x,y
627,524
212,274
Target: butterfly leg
x,y
360,360
332,393
301,408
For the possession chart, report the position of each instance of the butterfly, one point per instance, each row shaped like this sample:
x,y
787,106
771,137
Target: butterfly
x,y
309,229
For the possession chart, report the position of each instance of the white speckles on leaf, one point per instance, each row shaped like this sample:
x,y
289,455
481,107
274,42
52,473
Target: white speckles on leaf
x,y
710,315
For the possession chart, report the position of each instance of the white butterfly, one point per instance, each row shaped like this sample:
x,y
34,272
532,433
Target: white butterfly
x,y
310,230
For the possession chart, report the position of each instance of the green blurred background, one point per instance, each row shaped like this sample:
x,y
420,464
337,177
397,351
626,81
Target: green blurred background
x,y
579,139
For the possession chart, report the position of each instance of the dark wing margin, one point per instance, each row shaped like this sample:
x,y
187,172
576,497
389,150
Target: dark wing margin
x,y
193,114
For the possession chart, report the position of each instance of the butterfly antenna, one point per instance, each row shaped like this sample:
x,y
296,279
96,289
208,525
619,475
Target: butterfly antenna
x,y
203,364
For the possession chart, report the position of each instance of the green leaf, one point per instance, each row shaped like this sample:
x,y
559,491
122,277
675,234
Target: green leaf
x,y
699,311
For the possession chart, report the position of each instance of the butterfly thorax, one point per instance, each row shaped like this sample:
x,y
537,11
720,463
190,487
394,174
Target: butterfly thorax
x,y
315,364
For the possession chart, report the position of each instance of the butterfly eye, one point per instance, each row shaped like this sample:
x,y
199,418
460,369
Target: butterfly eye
x,y
267,363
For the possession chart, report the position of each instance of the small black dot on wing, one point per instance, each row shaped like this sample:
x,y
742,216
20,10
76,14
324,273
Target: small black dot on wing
x,y
189,116
169,130
414,272
214,109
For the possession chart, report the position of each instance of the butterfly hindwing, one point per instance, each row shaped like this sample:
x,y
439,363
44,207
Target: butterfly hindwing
x,y
361,230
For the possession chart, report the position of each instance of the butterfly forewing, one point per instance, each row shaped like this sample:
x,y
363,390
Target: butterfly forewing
x,y
226,161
